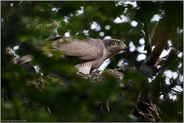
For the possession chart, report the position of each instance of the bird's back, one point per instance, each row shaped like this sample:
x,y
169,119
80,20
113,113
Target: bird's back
x,y
87,49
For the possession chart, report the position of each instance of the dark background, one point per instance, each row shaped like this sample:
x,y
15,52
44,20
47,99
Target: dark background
x,y
29,96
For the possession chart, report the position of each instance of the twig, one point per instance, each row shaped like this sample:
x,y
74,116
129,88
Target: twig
x,y
169,58
48,109
146,36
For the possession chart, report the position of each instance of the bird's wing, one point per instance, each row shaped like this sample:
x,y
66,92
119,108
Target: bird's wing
x,y
88,49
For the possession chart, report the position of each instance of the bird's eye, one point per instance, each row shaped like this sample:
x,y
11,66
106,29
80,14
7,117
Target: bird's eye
x,y
116,42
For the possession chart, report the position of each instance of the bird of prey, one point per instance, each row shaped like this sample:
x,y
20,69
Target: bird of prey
x,y
89,53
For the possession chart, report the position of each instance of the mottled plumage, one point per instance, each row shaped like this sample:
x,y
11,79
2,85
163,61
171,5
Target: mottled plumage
x,y
90,53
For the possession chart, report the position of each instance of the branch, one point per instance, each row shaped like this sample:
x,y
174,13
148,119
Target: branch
x,y
161,37
146,36
171,56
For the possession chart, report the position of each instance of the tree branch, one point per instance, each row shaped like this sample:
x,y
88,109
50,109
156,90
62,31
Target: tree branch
x,y
146,36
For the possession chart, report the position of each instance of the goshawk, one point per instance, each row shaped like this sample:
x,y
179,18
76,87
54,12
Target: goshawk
x,y
89,53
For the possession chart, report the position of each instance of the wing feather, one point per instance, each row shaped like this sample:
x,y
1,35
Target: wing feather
x,y
88,49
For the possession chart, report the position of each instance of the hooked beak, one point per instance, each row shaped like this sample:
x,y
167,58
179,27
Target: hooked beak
x,y
124,47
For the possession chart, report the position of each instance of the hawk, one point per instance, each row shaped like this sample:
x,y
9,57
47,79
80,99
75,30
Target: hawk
x,y
88,54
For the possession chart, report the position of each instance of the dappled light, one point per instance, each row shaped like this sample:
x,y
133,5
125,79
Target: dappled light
x,y
92,61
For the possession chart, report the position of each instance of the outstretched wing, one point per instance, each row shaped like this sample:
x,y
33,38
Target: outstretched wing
x,y
88,49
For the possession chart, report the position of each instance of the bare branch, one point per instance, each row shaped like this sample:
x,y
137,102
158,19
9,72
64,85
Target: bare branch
x,y
161,37
147,39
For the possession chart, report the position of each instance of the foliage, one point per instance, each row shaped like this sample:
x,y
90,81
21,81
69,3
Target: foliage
x,y
42,96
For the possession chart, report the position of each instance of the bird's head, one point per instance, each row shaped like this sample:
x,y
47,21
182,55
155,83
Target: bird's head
x,y
114,46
